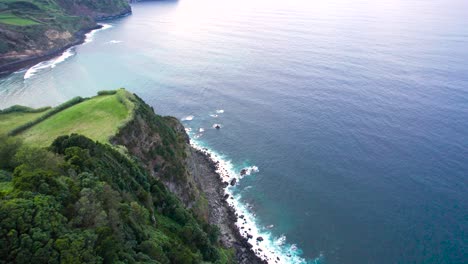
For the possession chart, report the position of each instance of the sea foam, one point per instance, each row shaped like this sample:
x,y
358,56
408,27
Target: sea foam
x,y
188,118
49,64
90,36
272,249
64,56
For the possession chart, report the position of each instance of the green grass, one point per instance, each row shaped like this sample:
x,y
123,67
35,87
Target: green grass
x,y
98,118
15,119
10,19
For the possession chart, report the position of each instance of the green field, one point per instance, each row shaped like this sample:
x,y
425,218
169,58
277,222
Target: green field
x,y
12,120
98,118
10,19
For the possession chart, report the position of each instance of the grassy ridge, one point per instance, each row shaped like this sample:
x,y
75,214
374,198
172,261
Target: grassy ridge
x,y
15,119
11,19
98,118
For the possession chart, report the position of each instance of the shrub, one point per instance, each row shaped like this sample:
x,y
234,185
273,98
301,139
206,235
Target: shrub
x,y
107,92
8,148
23,109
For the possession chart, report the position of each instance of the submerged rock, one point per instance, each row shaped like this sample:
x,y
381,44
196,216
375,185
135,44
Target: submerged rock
x,y
259,239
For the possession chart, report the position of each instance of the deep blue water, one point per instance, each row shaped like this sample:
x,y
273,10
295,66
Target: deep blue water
x,y
355,112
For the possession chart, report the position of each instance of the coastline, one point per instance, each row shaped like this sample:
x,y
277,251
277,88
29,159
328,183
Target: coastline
x,y
220,212
80,37
266,247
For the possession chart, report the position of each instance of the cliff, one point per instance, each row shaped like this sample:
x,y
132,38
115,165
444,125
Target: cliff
x,y
162,146
33,30
131,190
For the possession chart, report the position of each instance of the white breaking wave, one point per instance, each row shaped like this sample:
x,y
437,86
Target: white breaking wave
x,y
65,55
90,36
248,171
49,64
220,111
188,118
201,130
115,41
264,243
214,115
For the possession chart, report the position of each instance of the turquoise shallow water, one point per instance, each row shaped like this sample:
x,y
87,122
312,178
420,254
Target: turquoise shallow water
x,y
354,112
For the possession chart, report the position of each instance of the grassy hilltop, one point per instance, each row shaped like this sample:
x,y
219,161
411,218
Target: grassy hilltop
x,y
97,118
75,198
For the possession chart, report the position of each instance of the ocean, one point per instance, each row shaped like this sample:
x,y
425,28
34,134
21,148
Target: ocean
x,y
351,116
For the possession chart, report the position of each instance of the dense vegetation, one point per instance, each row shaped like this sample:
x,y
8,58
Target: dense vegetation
x,y
79,201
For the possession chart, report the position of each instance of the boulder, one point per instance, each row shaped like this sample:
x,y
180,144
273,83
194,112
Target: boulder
x,y
233,182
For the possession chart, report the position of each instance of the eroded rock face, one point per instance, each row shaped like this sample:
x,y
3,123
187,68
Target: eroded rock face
x,y
53,34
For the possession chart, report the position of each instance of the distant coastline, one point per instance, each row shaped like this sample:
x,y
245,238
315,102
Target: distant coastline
x,y
80,38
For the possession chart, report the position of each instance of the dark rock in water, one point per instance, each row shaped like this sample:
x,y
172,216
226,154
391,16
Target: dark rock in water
x,y
260,239
241,217
249,236
226,196
243,172
217,126
233,181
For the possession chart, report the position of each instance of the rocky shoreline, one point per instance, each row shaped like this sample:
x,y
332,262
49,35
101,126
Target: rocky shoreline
x,y
220,212
80,37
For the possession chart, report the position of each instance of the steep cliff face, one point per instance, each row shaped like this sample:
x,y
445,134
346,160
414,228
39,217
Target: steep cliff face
x,y
34,29
162,145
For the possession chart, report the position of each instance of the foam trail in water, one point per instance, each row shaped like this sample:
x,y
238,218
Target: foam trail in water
x,y
65,55
115,41
188,118
49,64
90,36
265,244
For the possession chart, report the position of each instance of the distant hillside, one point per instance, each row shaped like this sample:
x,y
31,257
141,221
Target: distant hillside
x,y
32,29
